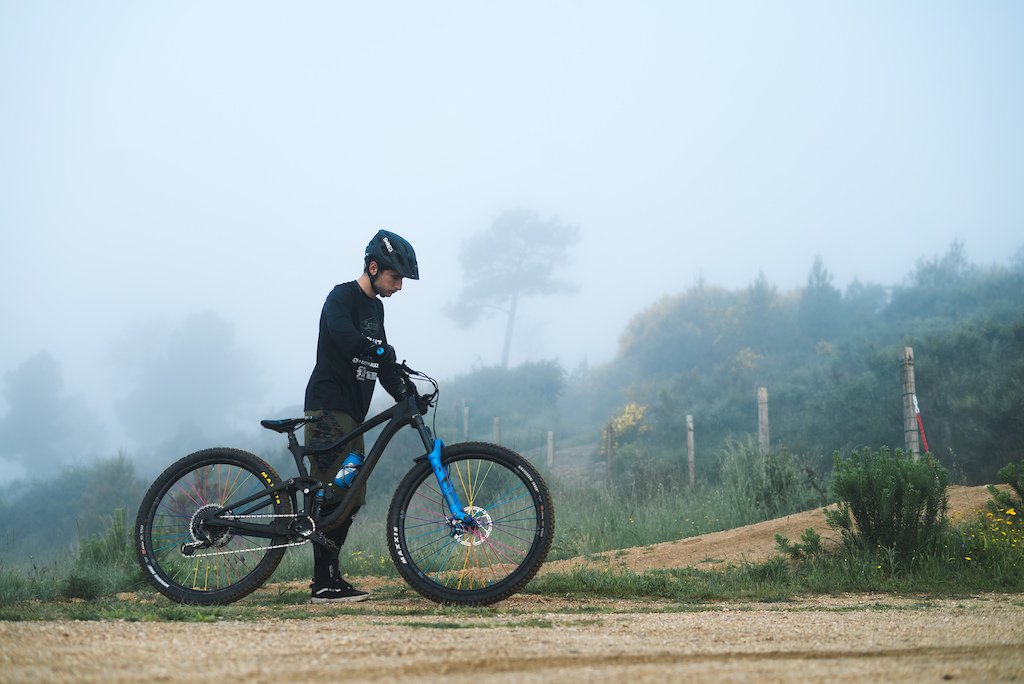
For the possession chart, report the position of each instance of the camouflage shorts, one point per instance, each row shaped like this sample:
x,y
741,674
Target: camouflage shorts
x,y
329,428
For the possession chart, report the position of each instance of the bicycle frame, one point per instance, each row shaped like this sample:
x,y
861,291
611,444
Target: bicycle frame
x,y
405,412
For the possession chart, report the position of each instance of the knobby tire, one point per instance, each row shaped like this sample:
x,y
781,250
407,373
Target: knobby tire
x,y
512,506
235,565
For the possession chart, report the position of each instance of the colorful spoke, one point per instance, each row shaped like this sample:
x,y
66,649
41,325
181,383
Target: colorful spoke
x,y
497,499
233,555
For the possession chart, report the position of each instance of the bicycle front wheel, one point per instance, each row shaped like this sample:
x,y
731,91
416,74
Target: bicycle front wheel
x,y
230,564
514,518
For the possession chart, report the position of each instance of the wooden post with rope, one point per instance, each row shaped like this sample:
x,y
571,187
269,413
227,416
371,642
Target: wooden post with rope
x,y
910,422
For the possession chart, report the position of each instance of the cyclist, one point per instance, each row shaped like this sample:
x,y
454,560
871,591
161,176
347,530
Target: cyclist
x,y
352,352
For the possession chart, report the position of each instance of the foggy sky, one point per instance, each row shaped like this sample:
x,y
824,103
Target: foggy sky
x,y
162,160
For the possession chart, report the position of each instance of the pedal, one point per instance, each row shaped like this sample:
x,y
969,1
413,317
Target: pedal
x,y
319,538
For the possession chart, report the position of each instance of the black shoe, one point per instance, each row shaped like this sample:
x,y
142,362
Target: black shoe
x,y
335,591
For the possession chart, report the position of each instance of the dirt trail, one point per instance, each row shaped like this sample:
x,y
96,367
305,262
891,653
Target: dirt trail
x,y
863,638
750,543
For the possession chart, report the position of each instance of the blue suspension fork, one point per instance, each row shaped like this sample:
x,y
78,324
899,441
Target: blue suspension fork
x,y
461,521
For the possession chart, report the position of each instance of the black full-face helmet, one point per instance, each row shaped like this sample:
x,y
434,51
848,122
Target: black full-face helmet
x,y
393,251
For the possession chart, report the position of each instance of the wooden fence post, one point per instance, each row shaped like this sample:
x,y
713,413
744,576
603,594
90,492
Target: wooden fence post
x,y
609,440
762,424
910,435
551,448
689,447
465,422
496,435
763,440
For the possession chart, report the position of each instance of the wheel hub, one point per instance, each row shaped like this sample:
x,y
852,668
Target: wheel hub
x,y
477,535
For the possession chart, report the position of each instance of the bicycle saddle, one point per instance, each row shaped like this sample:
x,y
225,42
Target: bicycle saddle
x,y
287,424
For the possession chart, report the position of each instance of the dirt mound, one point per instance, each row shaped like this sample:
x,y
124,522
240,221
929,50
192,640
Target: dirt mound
x,y
749,543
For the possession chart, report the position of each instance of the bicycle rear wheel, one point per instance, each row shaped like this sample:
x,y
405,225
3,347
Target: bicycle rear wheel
x,y
515,521
232,564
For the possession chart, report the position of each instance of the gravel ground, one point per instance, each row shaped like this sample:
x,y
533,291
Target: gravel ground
x,y
839,639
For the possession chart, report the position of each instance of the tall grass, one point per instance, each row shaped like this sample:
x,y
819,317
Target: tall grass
x,y
768,485
652,503
105,565
19,584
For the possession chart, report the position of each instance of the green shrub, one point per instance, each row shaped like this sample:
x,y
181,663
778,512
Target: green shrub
x,y
809,547
898,505
85,582
1003,503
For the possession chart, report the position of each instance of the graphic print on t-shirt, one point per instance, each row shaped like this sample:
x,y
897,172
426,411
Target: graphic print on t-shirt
x,y
370,326
366,370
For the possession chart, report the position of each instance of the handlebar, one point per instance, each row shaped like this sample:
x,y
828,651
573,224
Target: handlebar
x,y
423,401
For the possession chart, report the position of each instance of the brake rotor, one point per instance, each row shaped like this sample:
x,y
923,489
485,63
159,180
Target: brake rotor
x,y
484,525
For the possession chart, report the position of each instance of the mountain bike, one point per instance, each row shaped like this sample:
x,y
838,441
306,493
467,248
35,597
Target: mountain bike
x,y
469,524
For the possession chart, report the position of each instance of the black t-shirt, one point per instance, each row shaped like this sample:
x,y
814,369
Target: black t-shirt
x,y
350,325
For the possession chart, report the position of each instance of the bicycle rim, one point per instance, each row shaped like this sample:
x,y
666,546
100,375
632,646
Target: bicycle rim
x,y
232,564
511,506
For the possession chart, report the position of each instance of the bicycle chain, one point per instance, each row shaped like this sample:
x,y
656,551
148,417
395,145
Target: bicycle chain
x,y
255,548
247,550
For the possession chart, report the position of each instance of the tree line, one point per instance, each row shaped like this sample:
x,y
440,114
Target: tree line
x,y
830,360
